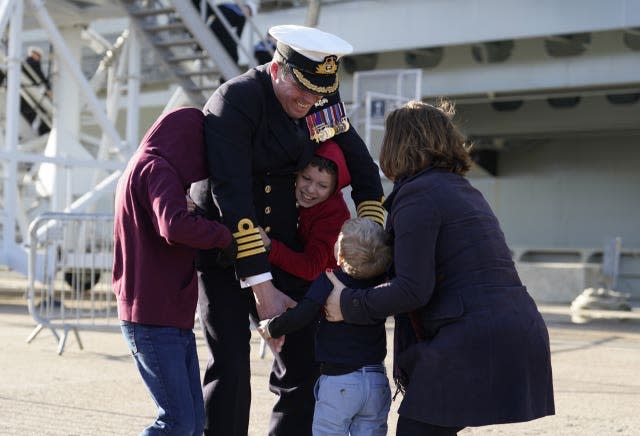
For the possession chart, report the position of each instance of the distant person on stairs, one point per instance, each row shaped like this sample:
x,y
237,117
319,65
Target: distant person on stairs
x,y
32,68
234,14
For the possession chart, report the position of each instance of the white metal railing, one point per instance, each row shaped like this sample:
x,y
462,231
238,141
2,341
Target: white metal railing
x,y
69,279
376,93
33,180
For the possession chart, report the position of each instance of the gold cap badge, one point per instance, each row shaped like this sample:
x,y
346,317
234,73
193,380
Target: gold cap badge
x,y
329,66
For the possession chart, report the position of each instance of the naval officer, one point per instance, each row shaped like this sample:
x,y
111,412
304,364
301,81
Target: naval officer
x,y
260,128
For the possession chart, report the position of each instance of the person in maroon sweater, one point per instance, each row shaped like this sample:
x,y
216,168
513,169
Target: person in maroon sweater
x,y
322,211
154,275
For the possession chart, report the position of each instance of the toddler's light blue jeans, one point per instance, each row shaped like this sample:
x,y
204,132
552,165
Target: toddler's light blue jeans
x,y
355,404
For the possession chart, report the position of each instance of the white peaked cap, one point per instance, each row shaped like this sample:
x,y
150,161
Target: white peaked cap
x,y
311,42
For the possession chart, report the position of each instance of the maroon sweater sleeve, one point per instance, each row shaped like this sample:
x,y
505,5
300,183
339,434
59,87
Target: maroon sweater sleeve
x,y
169,214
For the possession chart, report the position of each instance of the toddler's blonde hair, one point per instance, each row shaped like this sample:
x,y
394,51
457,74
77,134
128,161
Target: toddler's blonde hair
x,y
362,248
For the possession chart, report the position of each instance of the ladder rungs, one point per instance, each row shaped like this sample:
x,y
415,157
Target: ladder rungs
x,y
204,72
175,43
151,11
185,58
179,25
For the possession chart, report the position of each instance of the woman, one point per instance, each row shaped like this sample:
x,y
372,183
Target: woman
x,y
471,348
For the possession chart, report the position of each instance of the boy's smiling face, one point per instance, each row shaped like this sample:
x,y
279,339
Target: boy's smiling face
x,y
313,186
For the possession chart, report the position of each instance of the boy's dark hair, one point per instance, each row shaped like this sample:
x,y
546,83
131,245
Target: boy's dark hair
x,y
327,165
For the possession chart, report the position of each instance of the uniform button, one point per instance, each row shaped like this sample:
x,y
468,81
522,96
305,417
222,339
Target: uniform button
x,y
267,210
267,188
267,229
355,302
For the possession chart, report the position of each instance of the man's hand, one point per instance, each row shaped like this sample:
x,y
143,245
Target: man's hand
x,y
270,301
332,309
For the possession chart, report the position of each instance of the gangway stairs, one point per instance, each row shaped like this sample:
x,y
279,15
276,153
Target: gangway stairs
x,y
188,48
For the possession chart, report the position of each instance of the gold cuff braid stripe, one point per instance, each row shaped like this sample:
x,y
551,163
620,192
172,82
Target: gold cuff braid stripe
x,y
374,217
371,209
247,246
250,252
370,203
374,209
246,239
370,206
246,242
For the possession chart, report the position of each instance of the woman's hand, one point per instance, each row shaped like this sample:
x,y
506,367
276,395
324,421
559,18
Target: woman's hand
x,y
332,305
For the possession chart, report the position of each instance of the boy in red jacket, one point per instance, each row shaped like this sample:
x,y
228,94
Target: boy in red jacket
x,y
322,211
154,275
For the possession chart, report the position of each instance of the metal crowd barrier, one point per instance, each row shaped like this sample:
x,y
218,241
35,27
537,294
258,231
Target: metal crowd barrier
x,y
69,280
69,283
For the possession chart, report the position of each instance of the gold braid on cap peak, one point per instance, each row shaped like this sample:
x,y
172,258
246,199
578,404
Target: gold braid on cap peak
x,y
315,88
371,209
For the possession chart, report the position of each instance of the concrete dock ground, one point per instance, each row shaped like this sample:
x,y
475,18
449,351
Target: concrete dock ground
x,y
97,390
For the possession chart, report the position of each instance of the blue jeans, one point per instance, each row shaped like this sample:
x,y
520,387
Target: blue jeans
x,y
167,360
355,404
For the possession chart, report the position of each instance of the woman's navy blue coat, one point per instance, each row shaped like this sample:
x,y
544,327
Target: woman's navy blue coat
x,y
482,356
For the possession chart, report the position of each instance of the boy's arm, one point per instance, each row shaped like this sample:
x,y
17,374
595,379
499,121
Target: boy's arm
x,y
318,248
162,193
294,319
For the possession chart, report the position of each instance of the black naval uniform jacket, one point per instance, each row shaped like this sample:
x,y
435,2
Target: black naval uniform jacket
x,y
253,150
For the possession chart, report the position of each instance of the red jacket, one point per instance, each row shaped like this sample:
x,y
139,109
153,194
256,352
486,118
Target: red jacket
x,y
318,226
155,237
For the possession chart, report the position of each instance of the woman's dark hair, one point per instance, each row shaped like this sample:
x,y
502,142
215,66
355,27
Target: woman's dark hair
x,y
419,135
